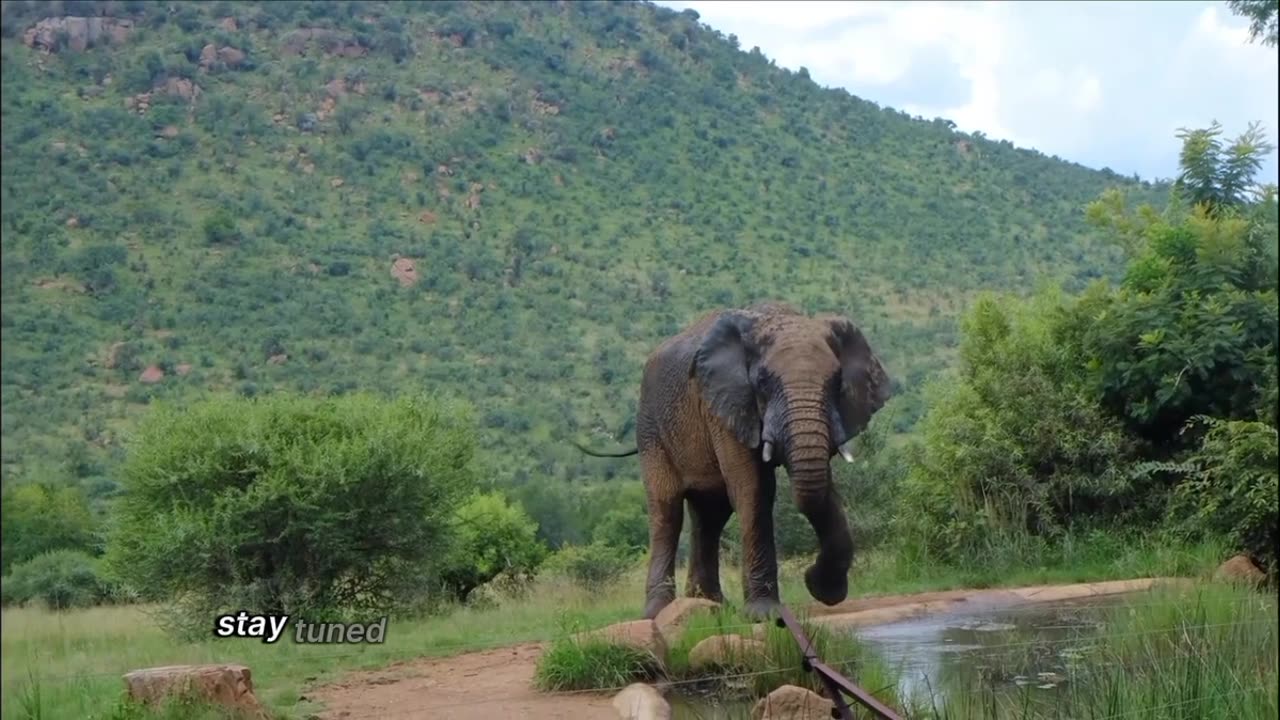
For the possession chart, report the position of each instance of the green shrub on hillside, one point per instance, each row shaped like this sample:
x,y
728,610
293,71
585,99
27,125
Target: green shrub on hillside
x,y
291,504
60,579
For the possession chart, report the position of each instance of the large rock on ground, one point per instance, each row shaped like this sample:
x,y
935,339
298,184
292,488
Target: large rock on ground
x,y
1240,569
639,701
638,634
791,702
227,685
721,651
671,620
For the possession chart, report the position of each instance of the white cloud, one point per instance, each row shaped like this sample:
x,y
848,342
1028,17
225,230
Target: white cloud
x,y
1102,83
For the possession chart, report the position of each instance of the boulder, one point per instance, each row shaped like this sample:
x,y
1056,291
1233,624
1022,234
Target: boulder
x,y
227,685
791,702
1240,569
639,701
638,634
724,651
404,271
231,57
672,619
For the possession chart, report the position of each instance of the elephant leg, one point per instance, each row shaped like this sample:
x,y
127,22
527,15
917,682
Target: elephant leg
x,y
828,578
708,514
753,499
666,515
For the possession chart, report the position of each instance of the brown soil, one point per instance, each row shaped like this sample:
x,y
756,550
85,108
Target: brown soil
x,y
476,686
498,683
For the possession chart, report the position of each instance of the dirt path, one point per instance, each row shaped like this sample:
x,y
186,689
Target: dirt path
x,y
499,683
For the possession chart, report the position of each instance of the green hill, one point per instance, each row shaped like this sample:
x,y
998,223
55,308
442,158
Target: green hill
x,y
510,203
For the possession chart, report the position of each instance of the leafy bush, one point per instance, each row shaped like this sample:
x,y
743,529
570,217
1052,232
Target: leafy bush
x,y
1233,488
39,517
291,504
1191,331
1012,442
60,579
490,537
592,566
624,528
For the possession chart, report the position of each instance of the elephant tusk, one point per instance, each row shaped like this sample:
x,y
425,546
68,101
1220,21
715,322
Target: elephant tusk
x,y
768,451
845,453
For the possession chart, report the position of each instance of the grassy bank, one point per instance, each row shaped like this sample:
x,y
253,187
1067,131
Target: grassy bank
x,y
69,664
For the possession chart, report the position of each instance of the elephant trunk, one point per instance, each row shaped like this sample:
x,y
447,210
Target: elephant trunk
x,y
808,455
808,442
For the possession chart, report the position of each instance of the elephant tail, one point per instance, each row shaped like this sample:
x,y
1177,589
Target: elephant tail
x,y
593,453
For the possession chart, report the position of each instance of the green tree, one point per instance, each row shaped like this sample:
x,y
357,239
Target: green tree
x,y
491,536
1262,15
1218,177
291,504
1192,329
42,517
220,227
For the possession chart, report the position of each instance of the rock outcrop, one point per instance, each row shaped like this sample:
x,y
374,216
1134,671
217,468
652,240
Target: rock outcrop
x,y
227,685
331,42
639,701
673,618
791,702
152,375
80,33
404,271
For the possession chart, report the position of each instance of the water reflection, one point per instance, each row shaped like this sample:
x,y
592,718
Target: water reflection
x,y
1002,650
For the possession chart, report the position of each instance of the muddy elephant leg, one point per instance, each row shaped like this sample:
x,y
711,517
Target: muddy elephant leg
x,y
664,494
708,514
753,499
828,578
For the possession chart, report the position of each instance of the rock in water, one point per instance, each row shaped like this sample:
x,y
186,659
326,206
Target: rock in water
x,y
639,701
227,685
791,702
724,651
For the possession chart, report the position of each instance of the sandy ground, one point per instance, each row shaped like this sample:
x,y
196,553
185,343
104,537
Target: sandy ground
x,y
498,683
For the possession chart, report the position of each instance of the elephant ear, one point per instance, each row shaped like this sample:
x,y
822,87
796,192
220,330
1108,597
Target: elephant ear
x,y
723,365
864,385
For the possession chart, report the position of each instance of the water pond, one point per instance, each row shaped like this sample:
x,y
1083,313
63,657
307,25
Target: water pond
x,y
1024,653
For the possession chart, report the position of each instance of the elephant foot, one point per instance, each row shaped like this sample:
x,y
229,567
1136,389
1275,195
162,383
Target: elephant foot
x,y
656,604
760,609
827,588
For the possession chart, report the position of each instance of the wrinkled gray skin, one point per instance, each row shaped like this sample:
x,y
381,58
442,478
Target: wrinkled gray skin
x,y
723,404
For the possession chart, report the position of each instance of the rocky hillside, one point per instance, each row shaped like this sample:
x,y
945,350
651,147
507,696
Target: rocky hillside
x,y
508,203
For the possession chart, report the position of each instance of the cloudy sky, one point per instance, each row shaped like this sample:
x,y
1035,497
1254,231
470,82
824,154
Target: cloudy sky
x,y
1105,84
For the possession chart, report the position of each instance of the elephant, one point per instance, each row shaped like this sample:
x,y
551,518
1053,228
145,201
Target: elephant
x,y
723,404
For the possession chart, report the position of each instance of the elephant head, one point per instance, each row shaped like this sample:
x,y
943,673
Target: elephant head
x,y
796,390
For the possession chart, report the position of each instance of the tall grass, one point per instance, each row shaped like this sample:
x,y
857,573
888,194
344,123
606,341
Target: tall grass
x,y
1207,652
